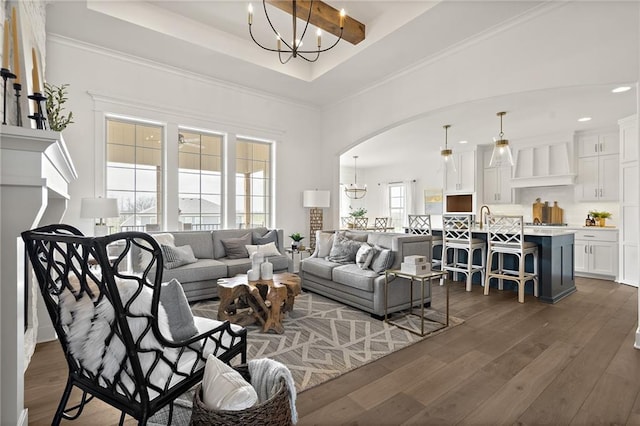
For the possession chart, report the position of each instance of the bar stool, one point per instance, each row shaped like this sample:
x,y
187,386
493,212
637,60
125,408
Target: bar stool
x,y
506,237
457,236
420,224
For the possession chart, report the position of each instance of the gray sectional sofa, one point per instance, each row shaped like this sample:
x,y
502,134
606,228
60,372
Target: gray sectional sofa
x,y
199,279
364,288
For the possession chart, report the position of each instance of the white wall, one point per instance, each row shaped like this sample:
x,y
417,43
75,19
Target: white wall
x,y
105,81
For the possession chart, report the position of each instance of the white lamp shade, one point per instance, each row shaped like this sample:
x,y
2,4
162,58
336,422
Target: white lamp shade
x,y
316,198
92,208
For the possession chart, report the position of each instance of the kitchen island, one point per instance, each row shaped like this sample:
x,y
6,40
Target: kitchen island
x,y
555,260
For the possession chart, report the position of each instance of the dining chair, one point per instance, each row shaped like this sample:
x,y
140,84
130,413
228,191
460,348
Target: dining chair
x,y
360,222
381,224
506,239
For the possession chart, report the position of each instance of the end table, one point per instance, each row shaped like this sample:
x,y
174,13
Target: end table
x,y
423,279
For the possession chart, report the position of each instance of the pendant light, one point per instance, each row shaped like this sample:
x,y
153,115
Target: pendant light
x,y
447,153
353,190
501,156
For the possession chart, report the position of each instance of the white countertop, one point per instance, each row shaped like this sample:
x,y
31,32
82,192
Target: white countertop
x,y
534,231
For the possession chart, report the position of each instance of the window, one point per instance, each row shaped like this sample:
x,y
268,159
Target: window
x,y
200,179
134,173
253,183
397,198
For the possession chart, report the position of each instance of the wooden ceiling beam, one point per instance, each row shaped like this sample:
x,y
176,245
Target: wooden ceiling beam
x,y
324,17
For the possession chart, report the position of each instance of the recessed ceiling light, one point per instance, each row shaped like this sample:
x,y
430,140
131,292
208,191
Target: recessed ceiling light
x,y
462,142
621,89
583,119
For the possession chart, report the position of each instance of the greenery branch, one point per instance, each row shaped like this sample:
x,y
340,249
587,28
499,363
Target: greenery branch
x,y
56,98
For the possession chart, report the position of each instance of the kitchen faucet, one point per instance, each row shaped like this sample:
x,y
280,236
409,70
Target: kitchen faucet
x,y
482,219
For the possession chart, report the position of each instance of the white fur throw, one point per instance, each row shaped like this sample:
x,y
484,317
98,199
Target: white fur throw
x,y
89,326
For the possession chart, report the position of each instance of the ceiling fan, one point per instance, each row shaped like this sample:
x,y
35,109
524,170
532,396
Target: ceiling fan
x,y
182,141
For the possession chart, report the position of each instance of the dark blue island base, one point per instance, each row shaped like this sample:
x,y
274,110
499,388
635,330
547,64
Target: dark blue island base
x,y
555,264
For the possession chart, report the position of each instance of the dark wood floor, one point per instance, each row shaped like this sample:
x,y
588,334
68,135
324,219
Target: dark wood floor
x,y
509,363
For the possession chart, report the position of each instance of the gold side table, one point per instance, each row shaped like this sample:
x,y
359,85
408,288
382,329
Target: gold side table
x,y
423,279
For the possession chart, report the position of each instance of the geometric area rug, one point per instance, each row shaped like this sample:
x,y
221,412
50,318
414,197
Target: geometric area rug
x,y
322,339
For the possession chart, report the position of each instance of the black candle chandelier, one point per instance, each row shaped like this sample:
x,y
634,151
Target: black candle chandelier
x,y
287,50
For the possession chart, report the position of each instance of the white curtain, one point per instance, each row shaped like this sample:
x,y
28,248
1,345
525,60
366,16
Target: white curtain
x,y
409,205
385,199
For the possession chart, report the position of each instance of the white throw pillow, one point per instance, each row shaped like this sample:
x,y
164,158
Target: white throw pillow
x,y
223,388
364,256
145,256
268,249
324,242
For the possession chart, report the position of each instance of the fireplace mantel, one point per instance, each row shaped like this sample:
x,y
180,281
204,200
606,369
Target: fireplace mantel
x,y
35,171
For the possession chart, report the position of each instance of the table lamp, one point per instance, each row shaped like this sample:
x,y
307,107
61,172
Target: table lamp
x,y
99,208
316,200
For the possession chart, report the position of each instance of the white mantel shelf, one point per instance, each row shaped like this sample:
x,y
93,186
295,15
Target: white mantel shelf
x,y
35,171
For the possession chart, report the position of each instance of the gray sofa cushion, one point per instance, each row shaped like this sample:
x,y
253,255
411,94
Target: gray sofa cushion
x,y
280,262
236,266
383,239
200,241
352,276
318,266
223,234
202,270
355,235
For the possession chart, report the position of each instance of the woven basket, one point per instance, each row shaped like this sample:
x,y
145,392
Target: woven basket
x,y
273,412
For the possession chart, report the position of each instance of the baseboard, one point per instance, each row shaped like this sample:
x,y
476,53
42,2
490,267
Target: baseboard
x,y
24,418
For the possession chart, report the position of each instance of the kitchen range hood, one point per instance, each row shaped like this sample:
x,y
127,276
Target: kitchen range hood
x,y
543,165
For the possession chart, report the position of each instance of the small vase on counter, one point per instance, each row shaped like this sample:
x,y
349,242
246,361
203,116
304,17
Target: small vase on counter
x,y
266,270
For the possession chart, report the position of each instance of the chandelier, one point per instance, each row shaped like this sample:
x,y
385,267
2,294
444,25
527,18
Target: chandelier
x,y
447,153
353,190
292,49
501,155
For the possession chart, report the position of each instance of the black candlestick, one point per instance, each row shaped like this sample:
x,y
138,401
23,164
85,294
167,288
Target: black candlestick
x,y
17,87
41,120
6,74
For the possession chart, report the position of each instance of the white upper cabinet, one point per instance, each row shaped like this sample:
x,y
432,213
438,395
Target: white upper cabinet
x,y
598,166
593,145
464,178
496,182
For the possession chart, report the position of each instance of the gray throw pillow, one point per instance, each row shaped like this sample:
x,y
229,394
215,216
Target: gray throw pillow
x,y
364,256
235,247
343,250
177,256
179,315
382,259
269,237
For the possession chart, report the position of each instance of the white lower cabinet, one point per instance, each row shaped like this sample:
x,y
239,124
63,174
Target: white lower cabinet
x,y
596,253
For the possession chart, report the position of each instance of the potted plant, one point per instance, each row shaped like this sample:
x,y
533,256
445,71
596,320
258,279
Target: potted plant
x,y
600,217
56,98
296,237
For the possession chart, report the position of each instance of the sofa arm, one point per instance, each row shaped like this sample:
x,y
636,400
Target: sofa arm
x,y
412,245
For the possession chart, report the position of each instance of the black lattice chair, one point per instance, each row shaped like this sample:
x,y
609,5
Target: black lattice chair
x,y
112,327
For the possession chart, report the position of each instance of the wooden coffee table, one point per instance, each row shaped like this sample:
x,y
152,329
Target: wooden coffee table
x,y
265,301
